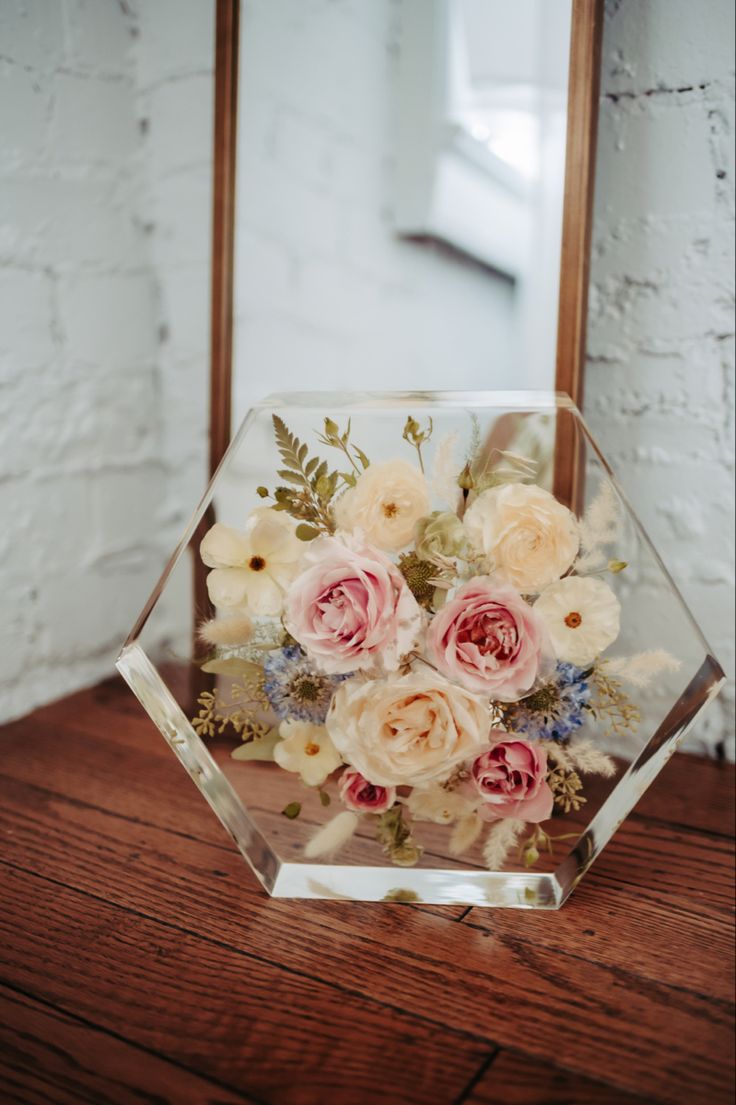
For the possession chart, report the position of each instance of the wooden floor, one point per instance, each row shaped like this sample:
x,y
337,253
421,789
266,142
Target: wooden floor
x,y
141,963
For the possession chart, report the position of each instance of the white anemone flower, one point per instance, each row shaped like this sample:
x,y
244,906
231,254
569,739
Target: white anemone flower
x,y
252,568
307,750
582,616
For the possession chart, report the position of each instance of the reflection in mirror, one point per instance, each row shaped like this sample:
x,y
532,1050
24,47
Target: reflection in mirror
x,y
399,194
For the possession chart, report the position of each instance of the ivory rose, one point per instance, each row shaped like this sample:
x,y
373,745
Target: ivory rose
x,y
407,730
385,504
363,797
523,534
511,779
351,610
488,639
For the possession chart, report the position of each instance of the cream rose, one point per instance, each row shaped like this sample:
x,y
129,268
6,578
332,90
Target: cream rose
x,y
386,503
523,534
407,730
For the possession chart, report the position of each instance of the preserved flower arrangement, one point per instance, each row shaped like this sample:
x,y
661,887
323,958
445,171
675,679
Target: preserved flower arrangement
x,y
425,643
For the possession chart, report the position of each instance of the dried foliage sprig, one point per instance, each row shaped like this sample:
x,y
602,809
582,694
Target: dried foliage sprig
x,y
416,436
611,705
247,696
332,437
312,485
566,787
393,833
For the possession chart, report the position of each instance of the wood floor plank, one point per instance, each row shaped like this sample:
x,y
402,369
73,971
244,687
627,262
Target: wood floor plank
x,y
627,985
275,1034
50,1058
609,920
570,1007
514,1078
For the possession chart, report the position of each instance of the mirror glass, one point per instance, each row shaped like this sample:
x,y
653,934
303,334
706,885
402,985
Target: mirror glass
x,y
400,168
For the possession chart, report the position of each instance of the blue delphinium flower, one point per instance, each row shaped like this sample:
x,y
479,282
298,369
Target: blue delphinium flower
x,y
556,709
295,688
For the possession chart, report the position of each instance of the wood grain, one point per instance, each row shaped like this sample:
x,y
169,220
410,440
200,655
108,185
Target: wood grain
x,y
220,1010
514,1079
126,909
48,1056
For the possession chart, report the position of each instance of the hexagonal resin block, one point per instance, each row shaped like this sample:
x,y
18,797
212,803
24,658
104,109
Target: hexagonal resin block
x,y
444,662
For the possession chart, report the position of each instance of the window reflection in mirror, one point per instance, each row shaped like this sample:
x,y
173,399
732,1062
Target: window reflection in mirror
x,y
400,172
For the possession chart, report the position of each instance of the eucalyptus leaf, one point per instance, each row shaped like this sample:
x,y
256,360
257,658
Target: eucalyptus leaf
x,y
305,532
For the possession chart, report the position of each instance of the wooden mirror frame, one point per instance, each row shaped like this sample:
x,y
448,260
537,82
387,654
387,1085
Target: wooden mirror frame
x,y
580,158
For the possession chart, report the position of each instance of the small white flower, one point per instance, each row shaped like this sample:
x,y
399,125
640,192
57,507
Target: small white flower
x,y
582,616
438,805
307,750
253,568
385,504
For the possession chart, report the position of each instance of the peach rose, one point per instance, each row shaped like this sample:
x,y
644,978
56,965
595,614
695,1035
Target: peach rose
x,y
406,730
523,534
488,639
511,779
351,609
385,504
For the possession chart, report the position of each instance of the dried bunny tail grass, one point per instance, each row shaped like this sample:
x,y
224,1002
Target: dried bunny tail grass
x,y
590,760
642,668
600,525
232,631
500,840
332,836
465,833
445,470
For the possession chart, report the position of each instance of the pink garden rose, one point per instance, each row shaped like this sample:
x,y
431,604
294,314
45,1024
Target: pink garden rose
x,y
363,797
511,778
488,639
351,610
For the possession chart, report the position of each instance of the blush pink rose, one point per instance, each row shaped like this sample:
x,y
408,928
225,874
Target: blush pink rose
x,y
350,609
511,778
363,797
488,639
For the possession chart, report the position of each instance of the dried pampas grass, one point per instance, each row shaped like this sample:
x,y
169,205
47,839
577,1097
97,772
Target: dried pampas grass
x,y
465,833
332,836
584,757
500,840
227,632
641,669
599,526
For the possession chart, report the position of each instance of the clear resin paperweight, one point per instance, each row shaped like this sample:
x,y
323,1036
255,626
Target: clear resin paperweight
x,y
417,647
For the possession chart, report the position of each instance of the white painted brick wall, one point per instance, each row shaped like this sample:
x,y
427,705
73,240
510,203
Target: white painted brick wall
x,y
104,236
105,131
660,377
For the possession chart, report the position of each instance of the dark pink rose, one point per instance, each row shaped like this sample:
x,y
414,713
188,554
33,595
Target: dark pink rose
x,y
488,639
364,797
511,778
